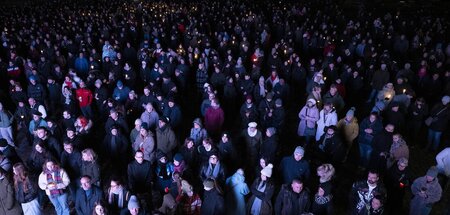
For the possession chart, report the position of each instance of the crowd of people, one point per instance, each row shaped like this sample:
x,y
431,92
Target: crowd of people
x,y
220,107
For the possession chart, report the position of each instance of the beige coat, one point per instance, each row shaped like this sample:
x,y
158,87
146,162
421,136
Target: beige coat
x,y
349,131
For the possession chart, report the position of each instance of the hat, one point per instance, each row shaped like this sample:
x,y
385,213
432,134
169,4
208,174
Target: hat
x,y
164,119
271,130
32,78
432,172
351,112
205,85
279,102
133,203
160,154
37,113
252,124
299,150
198,121
119,83
3,142
208,184
178,157
185,186
445,100
144,125
267,171
312,101
269,96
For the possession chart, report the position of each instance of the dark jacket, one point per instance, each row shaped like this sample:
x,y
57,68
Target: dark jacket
x,y
30,195
268,148
165,139
360,189
140,177
291,169
290,203
37,92
376,126
91,169
72,164
215,203
265,197
8,204
440,121
84,204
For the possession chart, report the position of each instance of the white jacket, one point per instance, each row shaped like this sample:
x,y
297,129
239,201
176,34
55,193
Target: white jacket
x,y
443,161
324,121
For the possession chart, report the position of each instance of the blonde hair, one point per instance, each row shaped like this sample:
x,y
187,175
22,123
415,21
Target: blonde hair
x,y
89,152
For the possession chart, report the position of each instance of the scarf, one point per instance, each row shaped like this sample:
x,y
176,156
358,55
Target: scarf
x,y
262,90
55,178
119,193
180,168
251,134
321,200
213,172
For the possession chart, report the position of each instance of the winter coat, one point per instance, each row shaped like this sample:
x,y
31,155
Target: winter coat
x,y
208,172
308,118
37,92
146,145
290,203
214,119
120,123
115,151
336,100
165,139
381,143
8,204
139,176
331,149
252,145
443,161
268,148
85,204
151,118
366,138
324,121
397,151
440,121
379,79
91,169
265,197
291,169
432,190
216,204
72,163
349,130
237,190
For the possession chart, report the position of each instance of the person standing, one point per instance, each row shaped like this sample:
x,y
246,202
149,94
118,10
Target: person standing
x,y
293,199
368,129
349,128
260,202
426,191
294,166
6,119
87,195
327,117
440,115
54,180
237,190
364,191
8,205
308,115
26,190
214,118
213,196
85,97
397,180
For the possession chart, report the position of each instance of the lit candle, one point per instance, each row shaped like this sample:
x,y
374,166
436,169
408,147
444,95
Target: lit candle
x,y
404,91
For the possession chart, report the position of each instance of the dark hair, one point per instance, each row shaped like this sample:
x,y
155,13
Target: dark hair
x,y
374,171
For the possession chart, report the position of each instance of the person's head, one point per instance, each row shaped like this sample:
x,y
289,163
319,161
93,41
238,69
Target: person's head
x,y
133,205
311,102
350,114
327,106
66,114
88,155
113,114
50,165
396,137
189,142
162,121
213,159
431,174
372,177
402,163
68,147
297,185
20,171
39,147
115,184
100,208
333,89
330,130
209,184
85,182
266,172
41,132
389,128
70,132
31,101
207,143
139,156
149,107
299,153
373,116
377,202
252,126
143,131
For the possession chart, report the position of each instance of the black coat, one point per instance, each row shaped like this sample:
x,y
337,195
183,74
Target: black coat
x,y
290,203
269,147
215,203
140,177
72,163
381,143
85,205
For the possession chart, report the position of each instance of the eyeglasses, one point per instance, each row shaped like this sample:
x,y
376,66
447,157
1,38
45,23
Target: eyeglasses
x,y
138,157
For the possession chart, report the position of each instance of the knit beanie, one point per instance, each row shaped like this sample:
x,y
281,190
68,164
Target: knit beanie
x,y
299,150
432,172
351,112
445,100
133,203
267,171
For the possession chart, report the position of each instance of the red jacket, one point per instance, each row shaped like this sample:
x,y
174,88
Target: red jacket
x,y
214,119
84,96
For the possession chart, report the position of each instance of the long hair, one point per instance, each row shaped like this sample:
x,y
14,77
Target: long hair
x,y
91,153
20,176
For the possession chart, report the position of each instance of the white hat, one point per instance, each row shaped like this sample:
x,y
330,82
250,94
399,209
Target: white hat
x,y
267,171
252,124
312,101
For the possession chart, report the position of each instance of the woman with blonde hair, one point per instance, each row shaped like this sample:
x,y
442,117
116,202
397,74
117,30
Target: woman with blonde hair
x,y
26,190
89,165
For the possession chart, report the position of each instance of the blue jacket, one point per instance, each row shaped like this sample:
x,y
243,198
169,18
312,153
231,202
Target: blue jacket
x,y
292,169
85,204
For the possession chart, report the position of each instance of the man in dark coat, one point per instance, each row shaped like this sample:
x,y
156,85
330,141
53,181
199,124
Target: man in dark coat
x,y
116,119
295,166
115,146
364,191
380,148
50,142
292,200
140,174
87,196
213,202
36,90
269,146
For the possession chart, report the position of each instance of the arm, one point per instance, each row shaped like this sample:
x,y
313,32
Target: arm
x,y
10,200
78,202
279,202
434,195
65,180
